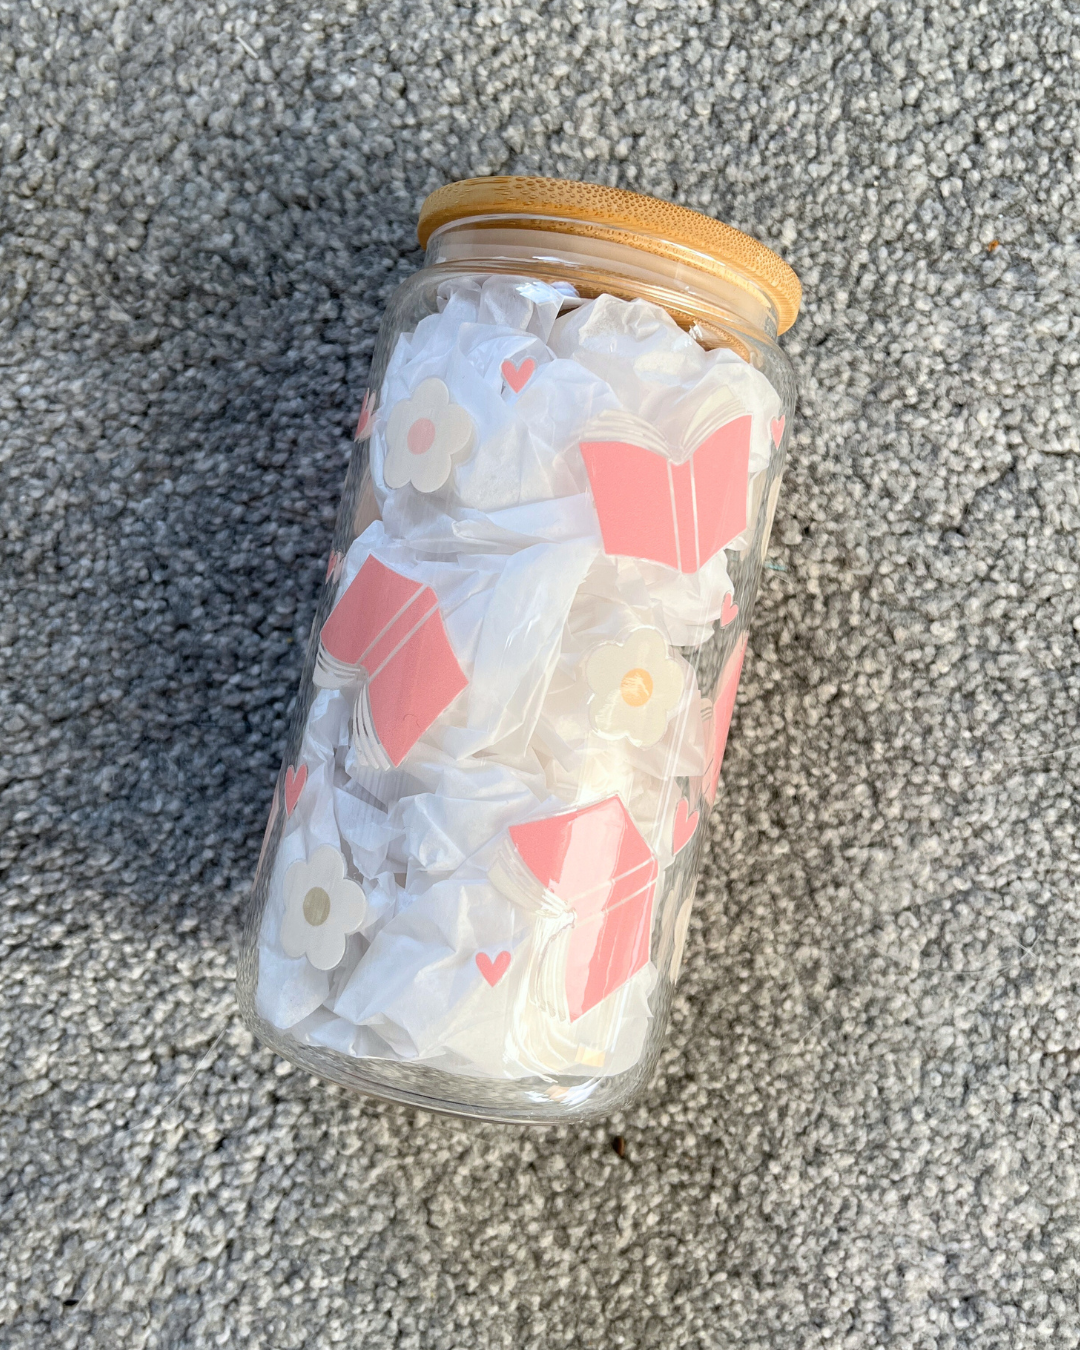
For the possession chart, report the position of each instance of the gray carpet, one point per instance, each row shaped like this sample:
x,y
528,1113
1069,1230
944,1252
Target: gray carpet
x,y
863,1132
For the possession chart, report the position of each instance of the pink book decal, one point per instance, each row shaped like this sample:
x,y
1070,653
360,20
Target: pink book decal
x,y
727,686
377,598
594,864
680,515
389,628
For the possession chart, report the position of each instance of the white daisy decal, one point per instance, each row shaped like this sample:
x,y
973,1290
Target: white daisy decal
x,y
636,684
424,435
321,909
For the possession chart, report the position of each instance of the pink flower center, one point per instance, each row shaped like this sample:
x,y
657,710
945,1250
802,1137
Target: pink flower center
x,y
421,436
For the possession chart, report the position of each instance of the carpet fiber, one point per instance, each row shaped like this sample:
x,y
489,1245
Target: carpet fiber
x,y
863,1130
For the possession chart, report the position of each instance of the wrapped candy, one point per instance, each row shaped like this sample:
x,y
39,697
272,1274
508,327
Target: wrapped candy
x,y
521,687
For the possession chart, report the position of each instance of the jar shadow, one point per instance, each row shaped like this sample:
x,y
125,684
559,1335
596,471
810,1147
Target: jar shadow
x,y
243,368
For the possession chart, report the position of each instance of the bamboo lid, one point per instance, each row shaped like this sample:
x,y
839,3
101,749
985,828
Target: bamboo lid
x,y
614,214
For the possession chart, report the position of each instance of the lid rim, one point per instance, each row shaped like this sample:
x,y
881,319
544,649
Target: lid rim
x,y
597,207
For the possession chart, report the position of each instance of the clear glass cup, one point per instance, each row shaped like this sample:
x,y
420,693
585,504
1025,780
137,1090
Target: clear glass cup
x,y
485,840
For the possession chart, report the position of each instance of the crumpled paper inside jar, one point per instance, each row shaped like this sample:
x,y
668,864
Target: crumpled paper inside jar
x,y
442,968
525,452
503,615
662,375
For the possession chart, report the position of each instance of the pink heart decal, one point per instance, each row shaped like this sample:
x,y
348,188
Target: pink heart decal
x,y
728,611
493,971
294,785
333,565
517,377
776,426
363,422
685,825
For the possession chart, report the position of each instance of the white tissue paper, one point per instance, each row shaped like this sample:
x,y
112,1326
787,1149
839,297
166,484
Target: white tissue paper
x,y
504,752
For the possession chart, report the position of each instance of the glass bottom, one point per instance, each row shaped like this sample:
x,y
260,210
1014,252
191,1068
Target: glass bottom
x,y
521,1101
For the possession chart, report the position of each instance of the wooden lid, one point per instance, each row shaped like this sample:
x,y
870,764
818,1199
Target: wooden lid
x,y
614,214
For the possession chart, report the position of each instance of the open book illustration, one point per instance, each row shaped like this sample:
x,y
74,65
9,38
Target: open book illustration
x,y
386,633
650,506
590,878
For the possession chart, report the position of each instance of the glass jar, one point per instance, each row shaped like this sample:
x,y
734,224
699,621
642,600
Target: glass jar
x,y
484,844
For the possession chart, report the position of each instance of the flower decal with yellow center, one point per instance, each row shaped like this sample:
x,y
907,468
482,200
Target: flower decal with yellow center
x,y
424,435
636,684
321,909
